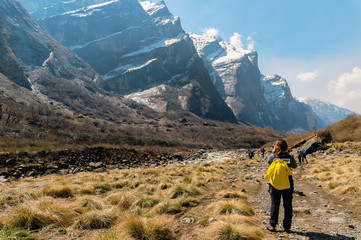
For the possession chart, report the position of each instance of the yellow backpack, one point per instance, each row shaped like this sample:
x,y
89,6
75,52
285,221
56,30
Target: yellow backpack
x,y
278,174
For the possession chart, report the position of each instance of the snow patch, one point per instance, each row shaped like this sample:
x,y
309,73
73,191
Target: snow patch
x,y
83,12
127,68
151,7
162,43
101,39
51,55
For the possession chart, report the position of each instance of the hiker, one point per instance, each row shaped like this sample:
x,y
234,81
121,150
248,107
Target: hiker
x,y
304,157
280,178
299,155
250,154
262,152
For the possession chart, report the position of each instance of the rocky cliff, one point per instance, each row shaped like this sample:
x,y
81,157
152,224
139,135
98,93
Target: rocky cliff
x,y
254,98
141,50
48,71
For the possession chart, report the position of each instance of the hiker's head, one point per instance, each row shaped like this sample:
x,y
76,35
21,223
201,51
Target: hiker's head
x,y
281,148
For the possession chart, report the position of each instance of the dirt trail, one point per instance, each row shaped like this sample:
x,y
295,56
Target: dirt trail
x,y
317,215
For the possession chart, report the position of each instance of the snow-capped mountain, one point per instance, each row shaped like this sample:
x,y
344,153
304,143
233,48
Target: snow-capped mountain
x,y
140,49
260,100
327,111
47,71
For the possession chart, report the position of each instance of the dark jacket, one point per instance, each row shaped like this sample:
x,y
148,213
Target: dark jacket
x,y
292,164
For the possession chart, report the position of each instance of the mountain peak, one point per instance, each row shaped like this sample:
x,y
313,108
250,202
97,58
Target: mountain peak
x,y
153,7
327,111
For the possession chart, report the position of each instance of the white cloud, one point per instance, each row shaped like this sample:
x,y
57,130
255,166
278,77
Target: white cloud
x,y
347,87
211,32
250,43
236,40
307,76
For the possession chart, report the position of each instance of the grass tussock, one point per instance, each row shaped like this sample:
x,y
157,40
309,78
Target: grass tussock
x,y
155,228
28,218
233,195
97,219
127,204
147,202
184,191
231,207
169,208
58,192
229,231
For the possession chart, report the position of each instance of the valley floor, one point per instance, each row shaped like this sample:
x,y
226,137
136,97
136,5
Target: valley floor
x,y
208,183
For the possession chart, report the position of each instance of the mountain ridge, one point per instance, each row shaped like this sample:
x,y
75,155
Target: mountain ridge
x,y
265,101
144,49
148,57
328,112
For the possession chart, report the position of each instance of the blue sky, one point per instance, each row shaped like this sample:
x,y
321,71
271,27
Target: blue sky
x,y
314,44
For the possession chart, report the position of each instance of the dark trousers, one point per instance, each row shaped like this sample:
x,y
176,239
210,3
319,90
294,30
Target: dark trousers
x,y
275,206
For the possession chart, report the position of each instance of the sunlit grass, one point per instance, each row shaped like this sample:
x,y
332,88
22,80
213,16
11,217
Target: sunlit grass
x,y
126,204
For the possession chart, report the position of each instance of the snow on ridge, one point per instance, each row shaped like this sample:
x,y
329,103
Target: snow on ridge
x,y
226,52
127,68
51,55
152,8
275,80
82,12
274,88
161,43
66,2
141,66
101,39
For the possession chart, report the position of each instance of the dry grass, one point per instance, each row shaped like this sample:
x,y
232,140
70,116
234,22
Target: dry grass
x,y
230,231
155,228
97,219
132,204
339,172
231,207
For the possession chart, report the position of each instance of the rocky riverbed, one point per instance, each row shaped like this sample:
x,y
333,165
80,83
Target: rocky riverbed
x,y
99,159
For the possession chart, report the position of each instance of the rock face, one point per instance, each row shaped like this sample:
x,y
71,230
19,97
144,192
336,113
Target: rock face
x,y
140,49
254,98
32,59
326,111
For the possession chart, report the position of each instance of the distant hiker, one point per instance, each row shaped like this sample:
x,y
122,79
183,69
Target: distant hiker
x,y
262,152
304,156
250,154
280,178
299,155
